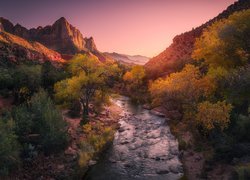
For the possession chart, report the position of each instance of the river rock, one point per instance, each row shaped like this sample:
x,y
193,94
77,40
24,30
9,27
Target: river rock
x,y
92,162
147,106
154,134
176,169
121,129
162,171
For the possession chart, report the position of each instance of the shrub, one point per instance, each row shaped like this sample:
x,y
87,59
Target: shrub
x,y
97,137
41,119
9,147
242,172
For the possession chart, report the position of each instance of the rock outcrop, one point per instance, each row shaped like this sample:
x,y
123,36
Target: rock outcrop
x,y
61,36
17,49
179,52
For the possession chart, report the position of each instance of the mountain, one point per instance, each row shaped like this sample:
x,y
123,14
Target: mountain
x,y
179,52
127,59
61,37
14,48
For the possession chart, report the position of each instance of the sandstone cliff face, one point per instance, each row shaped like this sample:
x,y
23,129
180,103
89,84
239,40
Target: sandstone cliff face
x,y
179,52
61,36
16,49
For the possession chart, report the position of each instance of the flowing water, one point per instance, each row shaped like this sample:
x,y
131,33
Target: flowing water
x,y
143,149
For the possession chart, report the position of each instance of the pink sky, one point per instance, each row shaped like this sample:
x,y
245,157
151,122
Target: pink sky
x,y
144,27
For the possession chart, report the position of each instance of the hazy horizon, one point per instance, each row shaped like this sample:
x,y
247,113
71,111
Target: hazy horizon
x,y
126,27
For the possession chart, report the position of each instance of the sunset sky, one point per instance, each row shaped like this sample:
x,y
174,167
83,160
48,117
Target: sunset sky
x,y
144,27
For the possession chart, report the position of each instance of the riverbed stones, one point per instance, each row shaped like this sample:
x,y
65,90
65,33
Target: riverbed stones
x,y
143,148
162,171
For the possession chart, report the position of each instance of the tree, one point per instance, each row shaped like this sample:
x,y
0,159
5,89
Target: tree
x,y
136,75
50,75
135,83
40,123
9,147
226,42
89,81
183,89
213,115
27,80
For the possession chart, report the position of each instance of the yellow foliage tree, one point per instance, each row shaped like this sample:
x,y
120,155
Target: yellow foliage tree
x,y
211,116
224,43
89,82
135,82
136,75
185,87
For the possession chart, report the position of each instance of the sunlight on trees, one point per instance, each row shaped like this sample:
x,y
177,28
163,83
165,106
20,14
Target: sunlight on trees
x,y
224,42
213,115
88,83
135,83
184,88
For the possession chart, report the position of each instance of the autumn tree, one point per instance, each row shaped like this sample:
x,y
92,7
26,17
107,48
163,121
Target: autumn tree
x,y
135,82
88,82
225,43
213,115
182,89
136,75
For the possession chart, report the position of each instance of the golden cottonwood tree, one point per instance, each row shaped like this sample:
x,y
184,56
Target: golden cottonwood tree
x,y
135,83
212,115
184,88
88,82
225,43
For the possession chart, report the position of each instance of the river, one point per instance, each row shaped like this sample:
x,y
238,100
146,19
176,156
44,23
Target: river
x,y
143,148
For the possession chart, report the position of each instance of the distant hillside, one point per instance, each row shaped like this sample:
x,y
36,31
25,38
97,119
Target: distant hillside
x,y
128,59
14,48
179,52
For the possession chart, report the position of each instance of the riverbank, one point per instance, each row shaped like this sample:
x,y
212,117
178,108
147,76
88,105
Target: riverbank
x,y
65,165
143,148
195,153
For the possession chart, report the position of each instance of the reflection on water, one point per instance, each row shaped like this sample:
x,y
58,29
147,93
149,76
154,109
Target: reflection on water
x,y
143,148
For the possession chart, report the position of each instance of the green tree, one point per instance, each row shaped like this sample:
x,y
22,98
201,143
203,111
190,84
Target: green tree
x,y
9,147
27,80
41,120
50,75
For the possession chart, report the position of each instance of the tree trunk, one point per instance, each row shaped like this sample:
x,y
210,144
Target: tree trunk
x,y
85,111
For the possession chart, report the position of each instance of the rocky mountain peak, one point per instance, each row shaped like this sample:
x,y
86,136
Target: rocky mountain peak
x,y
1,27
6,25
62,20
61,36
90,44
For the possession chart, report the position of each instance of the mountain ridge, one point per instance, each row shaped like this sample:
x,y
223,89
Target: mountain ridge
x,y
15,49
61,36
174,57
128,59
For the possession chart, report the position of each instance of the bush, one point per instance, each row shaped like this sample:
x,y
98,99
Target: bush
x,y
242,172
97,137
9,147
211,116
40,123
